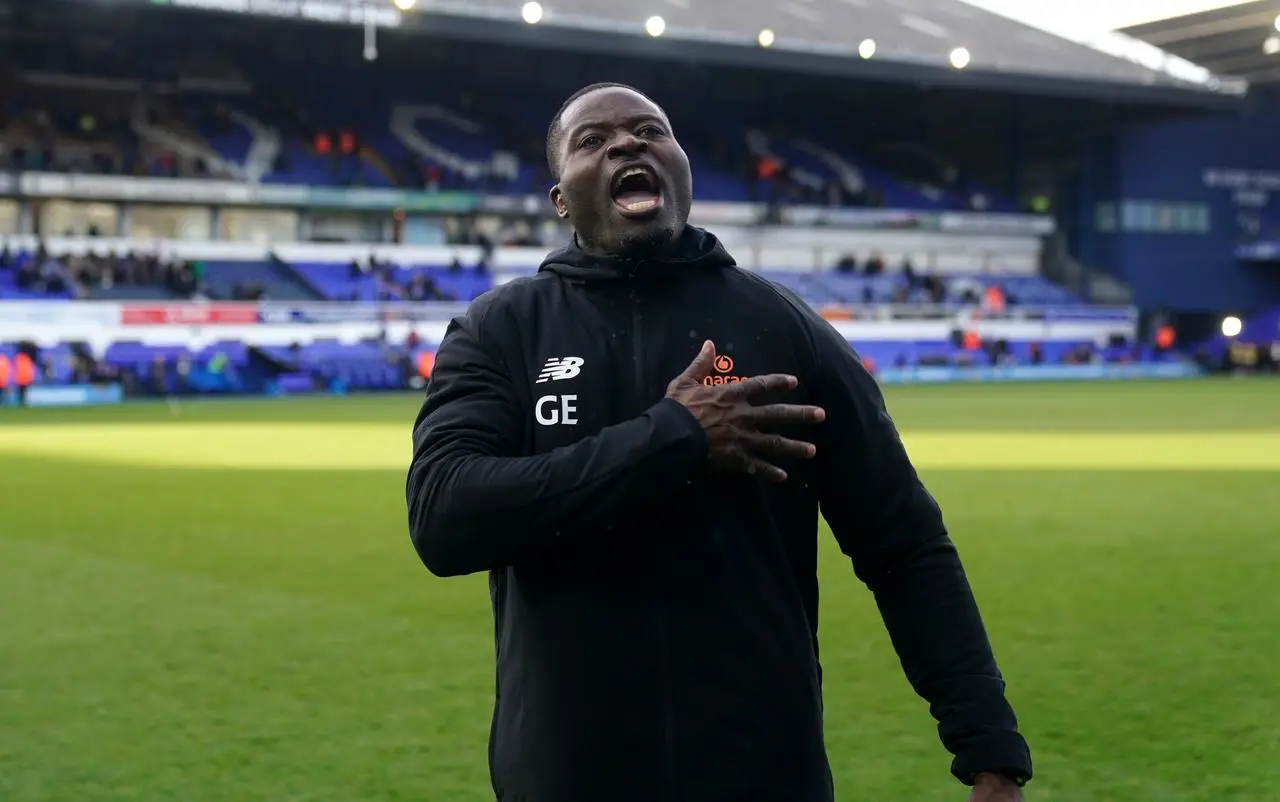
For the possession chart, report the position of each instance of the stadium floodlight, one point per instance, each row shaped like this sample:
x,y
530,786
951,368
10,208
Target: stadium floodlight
x,y
960,58
654,26
1271,46
532,12
765,38
404,5
1231,326
867,48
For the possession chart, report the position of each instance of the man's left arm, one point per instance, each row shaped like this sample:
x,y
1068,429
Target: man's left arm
x,y
891,528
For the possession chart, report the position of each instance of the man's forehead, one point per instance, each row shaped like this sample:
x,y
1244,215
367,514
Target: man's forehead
x,y
609,105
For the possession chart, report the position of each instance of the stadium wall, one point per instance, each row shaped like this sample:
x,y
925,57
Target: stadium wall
x,y
775,248
197,325
1227,165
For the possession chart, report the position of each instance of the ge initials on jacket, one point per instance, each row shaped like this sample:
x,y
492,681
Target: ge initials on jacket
x,y
656,623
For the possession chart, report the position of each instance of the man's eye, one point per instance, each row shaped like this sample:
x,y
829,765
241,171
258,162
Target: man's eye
x,y
590,141
650,131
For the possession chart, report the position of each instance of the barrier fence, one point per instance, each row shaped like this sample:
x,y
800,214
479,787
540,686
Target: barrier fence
x,y
216,313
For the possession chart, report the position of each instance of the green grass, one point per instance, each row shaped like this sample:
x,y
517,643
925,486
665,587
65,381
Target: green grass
x,y
218,601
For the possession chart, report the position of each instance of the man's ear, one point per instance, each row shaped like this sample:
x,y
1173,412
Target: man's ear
x,y
557,200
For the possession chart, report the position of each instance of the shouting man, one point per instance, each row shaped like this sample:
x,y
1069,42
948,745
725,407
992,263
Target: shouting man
x,y
649,523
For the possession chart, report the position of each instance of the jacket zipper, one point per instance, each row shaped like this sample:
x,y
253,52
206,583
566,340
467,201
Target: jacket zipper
x,y
664,647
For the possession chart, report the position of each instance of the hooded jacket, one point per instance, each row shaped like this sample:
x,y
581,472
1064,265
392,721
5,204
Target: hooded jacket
x,y
655,622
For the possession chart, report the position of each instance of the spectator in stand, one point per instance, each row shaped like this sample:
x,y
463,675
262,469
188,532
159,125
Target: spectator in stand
x,y
159,379
764,187
936,288
875,264
993,299
968,290
24,374
6,373
55,276
248,292
182,368
423,288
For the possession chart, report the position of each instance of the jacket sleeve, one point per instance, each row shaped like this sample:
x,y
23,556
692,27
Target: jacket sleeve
x,y
475,504
891,528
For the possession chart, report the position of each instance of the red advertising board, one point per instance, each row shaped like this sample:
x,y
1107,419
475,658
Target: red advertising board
x,y
189,314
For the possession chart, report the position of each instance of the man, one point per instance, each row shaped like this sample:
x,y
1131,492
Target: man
x,y
651,541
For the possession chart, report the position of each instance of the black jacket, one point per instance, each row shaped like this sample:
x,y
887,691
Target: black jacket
x,y
656,624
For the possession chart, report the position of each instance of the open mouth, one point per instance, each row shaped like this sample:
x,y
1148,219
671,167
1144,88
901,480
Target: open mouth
x,y
636,191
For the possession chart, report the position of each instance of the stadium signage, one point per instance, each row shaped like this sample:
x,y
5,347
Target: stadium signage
x,y
33,314
76,395
880,219
332,11
1032,373
179,190
193,314
1265,251
1250,188
279,313
382,199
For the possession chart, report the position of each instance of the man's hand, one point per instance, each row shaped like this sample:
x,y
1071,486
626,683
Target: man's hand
x,y
995,788
732,423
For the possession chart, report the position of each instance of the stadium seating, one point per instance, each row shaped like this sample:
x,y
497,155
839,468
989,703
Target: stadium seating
x,y
336,282
405,136
275,281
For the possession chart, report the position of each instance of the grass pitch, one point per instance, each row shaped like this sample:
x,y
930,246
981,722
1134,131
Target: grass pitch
x,y
219,602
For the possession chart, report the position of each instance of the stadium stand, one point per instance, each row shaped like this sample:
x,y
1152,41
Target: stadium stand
x,y
162,206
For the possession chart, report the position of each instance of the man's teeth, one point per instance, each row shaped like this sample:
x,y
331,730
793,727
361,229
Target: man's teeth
x,y
641,205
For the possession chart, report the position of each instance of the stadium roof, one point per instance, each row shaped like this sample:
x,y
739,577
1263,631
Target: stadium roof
x,y
913,39
914,32
1242,40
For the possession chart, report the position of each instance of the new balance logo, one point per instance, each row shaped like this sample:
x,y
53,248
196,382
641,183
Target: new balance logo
x,y
560,368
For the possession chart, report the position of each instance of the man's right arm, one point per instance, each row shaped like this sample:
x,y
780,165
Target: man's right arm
x,y
475,505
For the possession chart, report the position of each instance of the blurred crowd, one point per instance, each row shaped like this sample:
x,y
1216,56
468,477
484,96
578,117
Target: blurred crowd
x,y
395,284
80,275
103,141
924,287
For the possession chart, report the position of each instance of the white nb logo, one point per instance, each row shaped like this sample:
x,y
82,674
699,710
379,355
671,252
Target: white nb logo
x,y
559,369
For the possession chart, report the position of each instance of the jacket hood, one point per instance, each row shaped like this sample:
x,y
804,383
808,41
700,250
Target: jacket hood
x,y
694,249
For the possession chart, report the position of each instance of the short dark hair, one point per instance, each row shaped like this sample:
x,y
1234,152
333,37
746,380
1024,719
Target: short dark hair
x,y
555,132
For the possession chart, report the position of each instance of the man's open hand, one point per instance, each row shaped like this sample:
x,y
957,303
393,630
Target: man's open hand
x,y
733,424
995,788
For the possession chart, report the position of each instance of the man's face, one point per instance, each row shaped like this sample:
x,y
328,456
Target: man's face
x,y
624,180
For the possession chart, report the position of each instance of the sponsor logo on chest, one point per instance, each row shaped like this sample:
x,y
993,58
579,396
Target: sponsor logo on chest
x,y
722,372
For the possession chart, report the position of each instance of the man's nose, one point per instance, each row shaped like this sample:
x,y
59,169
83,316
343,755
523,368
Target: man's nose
x,y
626,145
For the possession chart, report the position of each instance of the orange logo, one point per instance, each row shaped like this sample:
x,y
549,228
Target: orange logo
x,y
723,365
